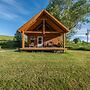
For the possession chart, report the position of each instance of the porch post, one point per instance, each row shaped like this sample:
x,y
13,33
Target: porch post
x,y
22,39
64,41
43,30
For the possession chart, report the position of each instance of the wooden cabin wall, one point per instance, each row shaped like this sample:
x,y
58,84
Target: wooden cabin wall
x,y
54,38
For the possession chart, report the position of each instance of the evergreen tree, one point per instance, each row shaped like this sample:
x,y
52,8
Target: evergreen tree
x,y
18,39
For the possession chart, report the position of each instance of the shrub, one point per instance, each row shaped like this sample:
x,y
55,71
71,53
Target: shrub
x,y
10,44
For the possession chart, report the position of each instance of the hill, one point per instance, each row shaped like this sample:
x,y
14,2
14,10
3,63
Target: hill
x,y
3,37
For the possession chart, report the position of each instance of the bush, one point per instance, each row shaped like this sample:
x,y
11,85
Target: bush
x,y
10,44
78,46
76,40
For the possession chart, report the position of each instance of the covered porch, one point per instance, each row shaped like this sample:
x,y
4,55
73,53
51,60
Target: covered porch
x,y
37,41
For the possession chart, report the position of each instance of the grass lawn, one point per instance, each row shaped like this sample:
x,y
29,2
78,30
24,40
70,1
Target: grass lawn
x,y
44,71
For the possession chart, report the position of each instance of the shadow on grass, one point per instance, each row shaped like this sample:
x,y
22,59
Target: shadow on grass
x,y
40,51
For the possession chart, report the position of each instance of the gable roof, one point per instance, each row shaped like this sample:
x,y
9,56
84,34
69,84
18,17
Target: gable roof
x,y
28,24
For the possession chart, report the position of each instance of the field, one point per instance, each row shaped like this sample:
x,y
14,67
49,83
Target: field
x,y
44,71
2,38
79,46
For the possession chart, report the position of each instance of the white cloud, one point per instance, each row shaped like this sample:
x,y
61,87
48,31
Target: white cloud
x,y
81,34
16,5
8,16
10,9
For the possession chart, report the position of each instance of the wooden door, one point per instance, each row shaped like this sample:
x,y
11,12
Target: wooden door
x,y
40,41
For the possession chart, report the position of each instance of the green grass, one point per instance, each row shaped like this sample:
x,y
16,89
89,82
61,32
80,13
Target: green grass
x,y
44,71
79,46
2,37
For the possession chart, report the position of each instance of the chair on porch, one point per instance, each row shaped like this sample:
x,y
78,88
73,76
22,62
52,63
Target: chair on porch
x,y
31,45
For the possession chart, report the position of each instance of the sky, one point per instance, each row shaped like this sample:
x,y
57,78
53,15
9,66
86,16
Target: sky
x,y
14,13
82,33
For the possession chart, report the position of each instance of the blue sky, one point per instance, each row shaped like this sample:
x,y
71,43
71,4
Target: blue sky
x,y
82,33
14,13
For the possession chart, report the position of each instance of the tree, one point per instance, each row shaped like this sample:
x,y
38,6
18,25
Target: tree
x,y
17,39
72,13
17,36
76,40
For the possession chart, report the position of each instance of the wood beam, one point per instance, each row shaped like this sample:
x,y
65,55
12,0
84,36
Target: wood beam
x,y
53,25
56,21
22,39
64,35
32,32
50,28
36,23
35,32
43,31
51,32
43,26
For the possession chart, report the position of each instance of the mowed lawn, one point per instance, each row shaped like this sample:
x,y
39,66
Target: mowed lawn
x,y
44,71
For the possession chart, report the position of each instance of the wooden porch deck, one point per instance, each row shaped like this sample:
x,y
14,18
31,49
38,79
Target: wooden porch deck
x,y
43,49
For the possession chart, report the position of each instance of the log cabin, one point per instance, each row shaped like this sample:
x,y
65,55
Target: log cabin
x,y
44,32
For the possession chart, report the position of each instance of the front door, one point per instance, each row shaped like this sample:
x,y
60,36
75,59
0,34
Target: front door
x,y
40,41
